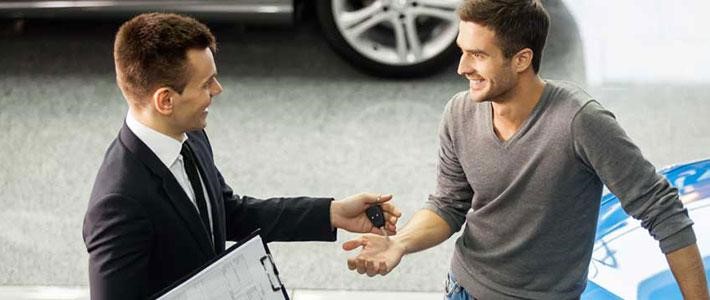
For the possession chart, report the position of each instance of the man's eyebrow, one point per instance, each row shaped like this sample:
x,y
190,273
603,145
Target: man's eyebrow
x,y
472,51
478,51
475,51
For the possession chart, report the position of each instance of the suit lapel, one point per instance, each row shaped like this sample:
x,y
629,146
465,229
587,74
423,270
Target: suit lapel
x,y
210,184
176,195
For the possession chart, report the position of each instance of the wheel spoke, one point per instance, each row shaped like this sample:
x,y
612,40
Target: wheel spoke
x,y
413,36
397,32
352,18
400,38
358,29
439,13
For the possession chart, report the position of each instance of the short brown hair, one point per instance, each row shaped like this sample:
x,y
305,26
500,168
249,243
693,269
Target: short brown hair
x,y
150,51
518,24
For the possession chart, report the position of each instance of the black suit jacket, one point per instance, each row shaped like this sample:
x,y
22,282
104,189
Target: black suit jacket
x,y
143,233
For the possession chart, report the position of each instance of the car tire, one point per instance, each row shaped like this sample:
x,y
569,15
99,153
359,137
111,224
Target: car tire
x,y
377,50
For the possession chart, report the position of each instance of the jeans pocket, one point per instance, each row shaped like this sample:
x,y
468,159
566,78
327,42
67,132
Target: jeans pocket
x,y
453,290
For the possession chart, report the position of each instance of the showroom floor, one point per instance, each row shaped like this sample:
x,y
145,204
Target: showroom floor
x,y
56,293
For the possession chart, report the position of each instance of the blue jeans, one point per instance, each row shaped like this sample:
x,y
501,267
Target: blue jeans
x,y
454,291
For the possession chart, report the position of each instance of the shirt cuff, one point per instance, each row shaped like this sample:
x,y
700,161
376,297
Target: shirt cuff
x,y
678,240
451,220
331,233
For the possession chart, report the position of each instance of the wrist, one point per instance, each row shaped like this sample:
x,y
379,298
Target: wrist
x,y
399,244
334,215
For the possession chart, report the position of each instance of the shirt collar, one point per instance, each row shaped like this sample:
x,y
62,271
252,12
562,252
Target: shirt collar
x,y
165,148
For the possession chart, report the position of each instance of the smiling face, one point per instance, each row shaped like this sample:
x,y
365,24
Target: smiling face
x,y
190,108
490,74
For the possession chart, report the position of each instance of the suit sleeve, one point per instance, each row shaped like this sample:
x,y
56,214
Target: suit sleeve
x,y
117,234
280,219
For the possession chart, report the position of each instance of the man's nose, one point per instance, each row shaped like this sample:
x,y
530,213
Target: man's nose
x,y
217,88
463,67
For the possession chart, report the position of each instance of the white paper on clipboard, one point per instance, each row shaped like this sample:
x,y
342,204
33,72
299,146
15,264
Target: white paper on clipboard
x,y
246,272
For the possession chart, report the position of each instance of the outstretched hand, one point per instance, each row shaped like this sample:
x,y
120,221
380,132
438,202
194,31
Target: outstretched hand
x,y
349,213
379,254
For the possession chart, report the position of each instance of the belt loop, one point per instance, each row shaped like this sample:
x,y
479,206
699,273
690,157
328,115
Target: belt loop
x,y
447,284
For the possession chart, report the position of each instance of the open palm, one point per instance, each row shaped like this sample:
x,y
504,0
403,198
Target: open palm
x,y
379,255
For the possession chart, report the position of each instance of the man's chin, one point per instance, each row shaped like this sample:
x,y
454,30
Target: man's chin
x,y
477,95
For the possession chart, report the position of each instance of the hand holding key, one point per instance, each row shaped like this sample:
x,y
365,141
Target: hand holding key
x,y
377,217
350,213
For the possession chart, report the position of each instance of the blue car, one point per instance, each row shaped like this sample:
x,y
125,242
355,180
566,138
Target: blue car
x,y
626,262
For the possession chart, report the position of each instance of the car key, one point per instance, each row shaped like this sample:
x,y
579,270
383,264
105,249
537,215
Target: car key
x,y
377,217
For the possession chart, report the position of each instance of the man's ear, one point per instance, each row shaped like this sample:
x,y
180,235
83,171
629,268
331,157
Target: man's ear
x,y
523,59
163,100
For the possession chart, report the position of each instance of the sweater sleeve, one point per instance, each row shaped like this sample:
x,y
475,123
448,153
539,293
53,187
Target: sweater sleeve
x,y
603,146
452,198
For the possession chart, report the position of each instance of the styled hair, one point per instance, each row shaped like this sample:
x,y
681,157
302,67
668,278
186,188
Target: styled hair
x,y
150,51
517,24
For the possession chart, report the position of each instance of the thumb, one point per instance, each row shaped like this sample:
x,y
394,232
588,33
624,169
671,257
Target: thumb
x,y
353,244
385,198
373,198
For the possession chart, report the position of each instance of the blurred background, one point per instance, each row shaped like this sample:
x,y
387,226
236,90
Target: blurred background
x,y
301,116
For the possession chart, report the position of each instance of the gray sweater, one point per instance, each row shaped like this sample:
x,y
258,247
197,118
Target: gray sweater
x,y
529,205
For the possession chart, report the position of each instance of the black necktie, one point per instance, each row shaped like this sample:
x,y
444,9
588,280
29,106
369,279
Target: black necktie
x,y
192,175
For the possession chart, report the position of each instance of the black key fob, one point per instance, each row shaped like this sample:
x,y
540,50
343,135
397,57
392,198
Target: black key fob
x,y
376,215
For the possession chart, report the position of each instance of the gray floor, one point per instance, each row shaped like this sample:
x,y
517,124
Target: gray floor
x,y
77,293
294,120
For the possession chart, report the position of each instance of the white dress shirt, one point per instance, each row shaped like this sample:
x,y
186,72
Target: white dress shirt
x,y
167,149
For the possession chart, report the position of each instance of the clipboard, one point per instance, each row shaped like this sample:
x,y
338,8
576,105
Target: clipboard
x,y
245,270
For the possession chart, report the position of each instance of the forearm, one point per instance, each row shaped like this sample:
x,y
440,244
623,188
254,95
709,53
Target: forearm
x,y
426,229
687,268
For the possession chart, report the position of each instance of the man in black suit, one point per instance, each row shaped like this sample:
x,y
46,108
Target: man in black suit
x,y
160,208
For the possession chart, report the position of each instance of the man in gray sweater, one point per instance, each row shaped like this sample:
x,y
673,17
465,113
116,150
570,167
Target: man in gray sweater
x,y
522,164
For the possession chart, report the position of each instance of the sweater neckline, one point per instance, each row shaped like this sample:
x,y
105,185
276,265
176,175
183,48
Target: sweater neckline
x,y
525,127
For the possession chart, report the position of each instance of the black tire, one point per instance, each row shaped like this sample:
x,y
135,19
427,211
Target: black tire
x,y
336,40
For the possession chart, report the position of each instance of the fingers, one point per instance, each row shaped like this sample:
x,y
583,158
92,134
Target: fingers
x,y
383,269
353,244
378,231
391,221
370,268
367,266
384,198
361,265
352,263
392,215
365,263
391,229
390,209
372,198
